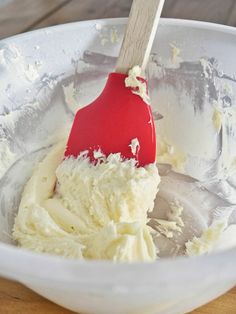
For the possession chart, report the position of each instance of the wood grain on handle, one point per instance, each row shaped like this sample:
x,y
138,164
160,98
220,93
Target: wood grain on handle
x,y
140,32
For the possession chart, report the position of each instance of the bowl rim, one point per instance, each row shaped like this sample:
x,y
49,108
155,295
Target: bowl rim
x,y
43,265
122,20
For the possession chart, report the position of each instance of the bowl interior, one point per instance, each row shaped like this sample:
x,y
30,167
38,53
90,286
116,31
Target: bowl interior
x,y
48,74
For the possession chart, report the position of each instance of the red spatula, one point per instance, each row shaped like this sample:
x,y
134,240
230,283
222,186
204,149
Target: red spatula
x,y
120,117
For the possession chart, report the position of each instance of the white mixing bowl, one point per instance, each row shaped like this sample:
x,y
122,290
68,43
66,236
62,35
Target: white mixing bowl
x,y
34,67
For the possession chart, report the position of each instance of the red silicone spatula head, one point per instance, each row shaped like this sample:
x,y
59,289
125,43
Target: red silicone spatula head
x,y
118,116
112,121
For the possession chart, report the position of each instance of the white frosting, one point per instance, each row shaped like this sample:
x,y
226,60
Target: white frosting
x,y
98,26
168,154
114,36
98,211
134,146
107,35
29,70
175,213
217,120
138,87
207,241
165,227
175,55
174,222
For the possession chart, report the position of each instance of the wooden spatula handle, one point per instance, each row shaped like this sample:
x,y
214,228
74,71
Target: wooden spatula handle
x,y
140,32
